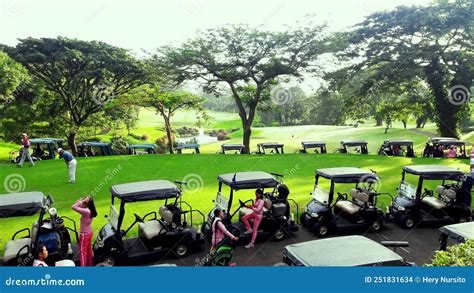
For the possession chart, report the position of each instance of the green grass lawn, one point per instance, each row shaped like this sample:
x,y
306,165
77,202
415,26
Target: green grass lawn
x,y
50,177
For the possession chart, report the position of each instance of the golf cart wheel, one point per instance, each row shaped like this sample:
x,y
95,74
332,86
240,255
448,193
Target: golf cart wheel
x,y
408,222
463,220
321,230
303,220
279,235
377,226
181,250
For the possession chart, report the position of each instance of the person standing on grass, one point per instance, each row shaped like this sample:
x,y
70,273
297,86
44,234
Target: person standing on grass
x,y
86,208
70,162
256,215
219,231
25,144
40,254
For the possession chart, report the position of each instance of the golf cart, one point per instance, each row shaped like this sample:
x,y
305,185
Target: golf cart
x,y
360,147
139,149
345,251
414,204
275,148
436,145
277,220
160,231
397,147
459,233
318,146
237,148
193,146
358,210
49,230
90,149
41,149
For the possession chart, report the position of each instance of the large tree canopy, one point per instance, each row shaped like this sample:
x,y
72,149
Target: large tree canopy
x,y
433,43
12,74
84,76
240,56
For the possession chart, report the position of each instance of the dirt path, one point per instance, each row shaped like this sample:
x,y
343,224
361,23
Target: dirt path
x,y
423,132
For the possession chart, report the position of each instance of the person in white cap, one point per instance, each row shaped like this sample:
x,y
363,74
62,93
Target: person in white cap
x,y
25,144
70,162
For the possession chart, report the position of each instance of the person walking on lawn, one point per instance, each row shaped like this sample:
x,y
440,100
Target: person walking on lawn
x,y
25,143
86,208
70,162
256,215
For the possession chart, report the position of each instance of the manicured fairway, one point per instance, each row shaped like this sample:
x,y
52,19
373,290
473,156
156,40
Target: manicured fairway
x,y
200,171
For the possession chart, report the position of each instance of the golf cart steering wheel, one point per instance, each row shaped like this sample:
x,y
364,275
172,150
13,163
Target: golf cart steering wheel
x,y
242,204
341,196
138,218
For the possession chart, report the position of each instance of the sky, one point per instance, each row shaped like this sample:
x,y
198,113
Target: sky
x,y
145,24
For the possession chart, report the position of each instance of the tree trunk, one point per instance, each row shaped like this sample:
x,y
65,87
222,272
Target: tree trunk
x,y
169,135
404,124
71,142
446,118
378,121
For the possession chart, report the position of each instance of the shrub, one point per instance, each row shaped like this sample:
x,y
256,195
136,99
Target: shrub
x,y
119,145
456,255
222,136
144,137
135,136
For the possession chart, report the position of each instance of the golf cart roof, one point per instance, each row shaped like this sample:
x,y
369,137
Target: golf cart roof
x,y
141,146
93,144
45,140
341,251
270,145
346,174
313,144
449,142
459,232
350,142
21,204
145,190
441,138
188,146
232,146
248,180
434,172
399,141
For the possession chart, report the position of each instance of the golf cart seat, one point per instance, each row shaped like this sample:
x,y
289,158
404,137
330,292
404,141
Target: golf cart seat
x,y
169,218
445,192
151,229
14,246
434,202
351,207
65,263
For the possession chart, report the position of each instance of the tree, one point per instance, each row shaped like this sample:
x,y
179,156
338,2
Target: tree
x,y
166,103
433,43
12,74
83,75
239,56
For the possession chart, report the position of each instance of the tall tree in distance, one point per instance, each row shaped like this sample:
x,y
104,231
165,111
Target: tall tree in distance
x,y
236,57
83,75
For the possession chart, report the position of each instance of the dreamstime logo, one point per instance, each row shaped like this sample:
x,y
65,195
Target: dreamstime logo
x,y
281,95
103,96
194,183
369,182
459,95
13,7
193,6
369,6
14,183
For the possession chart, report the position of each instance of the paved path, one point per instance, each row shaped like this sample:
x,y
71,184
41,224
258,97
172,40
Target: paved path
x,y
423,242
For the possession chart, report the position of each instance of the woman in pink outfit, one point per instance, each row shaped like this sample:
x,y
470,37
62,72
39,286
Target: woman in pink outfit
x,y
85,206
256,215
219,230
452,153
